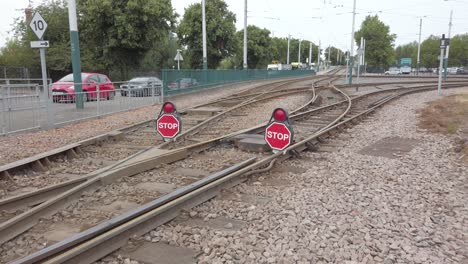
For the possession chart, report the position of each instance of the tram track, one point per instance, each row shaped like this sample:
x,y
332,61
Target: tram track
x,y
66,189
102,152
345,115
105,238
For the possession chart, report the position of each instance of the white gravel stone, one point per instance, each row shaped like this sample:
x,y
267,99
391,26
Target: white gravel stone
x,y
350,207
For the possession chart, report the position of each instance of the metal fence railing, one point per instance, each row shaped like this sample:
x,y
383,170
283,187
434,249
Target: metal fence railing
x,y
182,81
20,107
26,105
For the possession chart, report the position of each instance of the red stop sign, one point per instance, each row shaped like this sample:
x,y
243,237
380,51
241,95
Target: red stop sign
x,y
168,126
278,136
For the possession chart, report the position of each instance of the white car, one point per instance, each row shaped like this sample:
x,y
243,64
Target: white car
x,y
393,71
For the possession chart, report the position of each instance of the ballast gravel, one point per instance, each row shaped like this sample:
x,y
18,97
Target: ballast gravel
x,y
18,146
344,206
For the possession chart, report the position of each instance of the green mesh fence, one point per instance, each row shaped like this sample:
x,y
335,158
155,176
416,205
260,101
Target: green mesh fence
x,y
183,81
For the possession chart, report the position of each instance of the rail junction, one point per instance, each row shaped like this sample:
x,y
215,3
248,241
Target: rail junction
x,y
112,188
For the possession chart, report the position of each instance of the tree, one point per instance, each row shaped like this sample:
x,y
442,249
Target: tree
x,y
57,56
258,46
458,55
409,50
220,28
121,32
333,54
278,50
430,51
379,42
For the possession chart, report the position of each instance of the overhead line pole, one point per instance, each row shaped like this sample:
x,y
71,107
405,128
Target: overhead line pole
x,y
299,53
75,53
318,56
419,47
205,60
245,34
350,62
287,57
310,54
364,57
448,46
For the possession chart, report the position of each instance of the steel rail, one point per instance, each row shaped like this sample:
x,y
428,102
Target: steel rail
x,y
110,240
192,146
57,199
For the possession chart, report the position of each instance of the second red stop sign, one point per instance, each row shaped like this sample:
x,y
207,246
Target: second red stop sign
x,y
278,136
168,126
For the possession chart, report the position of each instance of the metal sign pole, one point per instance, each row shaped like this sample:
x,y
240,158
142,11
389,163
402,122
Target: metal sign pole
x,y
47,88
443,45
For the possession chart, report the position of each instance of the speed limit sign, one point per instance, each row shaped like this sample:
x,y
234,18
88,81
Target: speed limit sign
x,y
38,25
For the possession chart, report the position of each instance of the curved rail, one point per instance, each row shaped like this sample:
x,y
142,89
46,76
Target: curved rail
x,y
84,247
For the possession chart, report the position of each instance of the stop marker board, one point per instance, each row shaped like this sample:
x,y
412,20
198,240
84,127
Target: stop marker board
x,y
278,136
168,126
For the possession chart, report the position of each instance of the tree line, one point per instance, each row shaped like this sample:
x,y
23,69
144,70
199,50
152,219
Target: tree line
x,y
125,38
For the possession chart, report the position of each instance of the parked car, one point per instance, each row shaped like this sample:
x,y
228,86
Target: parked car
x,y
423,69
141,86
64,90
182,83
462,71
393,71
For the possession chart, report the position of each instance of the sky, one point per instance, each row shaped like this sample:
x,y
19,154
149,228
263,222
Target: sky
x,y
327,21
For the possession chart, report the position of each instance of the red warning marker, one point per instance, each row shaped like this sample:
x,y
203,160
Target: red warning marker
x,y
168,123
279,134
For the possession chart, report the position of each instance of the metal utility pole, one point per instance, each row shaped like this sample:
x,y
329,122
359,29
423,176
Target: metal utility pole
x,y
443,46
329,52
350,75
299,53
448,46
75,53
364,57
245,34
359,61
347,64
318,57
419,47
310,54
287,57
205,60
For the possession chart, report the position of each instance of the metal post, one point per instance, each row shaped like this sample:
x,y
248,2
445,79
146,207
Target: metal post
x,y
350,75
98,99
178,59
329,54
441,65
364,56
318,57
347,65
419,47
75,53
4,122
310,54
448,47
299,53
245,35
359,62
47,89
205,60
287,57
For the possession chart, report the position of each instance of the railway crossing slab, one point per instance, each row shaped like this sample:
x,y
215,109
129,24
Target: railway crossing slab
x,y
253,145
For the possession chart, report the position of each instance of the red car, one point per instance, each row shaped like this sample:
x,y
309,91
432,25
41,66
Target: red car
x,y
64,91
